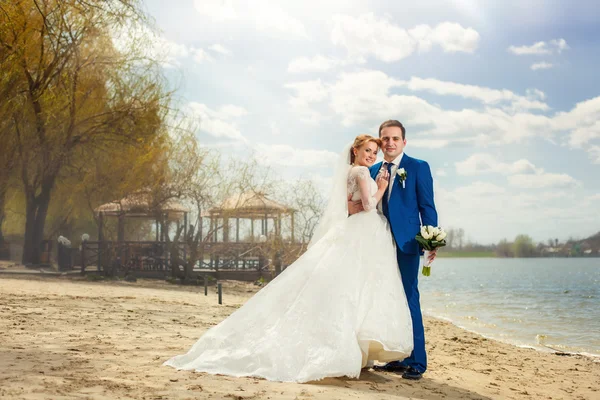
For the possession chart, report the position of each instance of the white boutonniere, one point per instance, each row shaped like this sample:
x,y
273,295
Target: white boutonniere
x,y
402,175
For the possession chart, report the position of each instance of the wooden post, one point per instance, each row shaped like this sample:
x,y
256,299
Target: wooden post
x,y
277,261
220,291
266,224
206,285
279,225
225,230
83,243
215,229
121,237
292,227
201,229
100,240
185,226
237,230
200,241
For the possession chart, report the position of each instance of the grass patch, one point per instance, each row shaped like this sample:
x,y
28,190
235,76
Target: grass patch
x,y
466,254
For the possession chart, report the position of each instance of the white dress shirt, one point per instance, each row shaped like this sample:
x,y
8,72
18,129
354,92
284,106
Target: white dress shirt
x,y
393,174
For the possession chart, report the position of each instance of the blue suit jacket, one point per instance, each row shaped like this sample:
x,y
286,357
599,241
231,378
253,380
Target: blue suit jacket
x,y
412,206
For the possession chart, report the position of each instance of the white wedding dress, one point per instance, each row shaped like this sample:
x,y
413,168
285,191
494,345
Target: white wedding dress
x,y
339,305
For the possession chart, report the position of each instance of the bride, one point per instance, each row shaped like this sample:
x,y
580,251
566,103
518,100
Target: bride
x,y
339,306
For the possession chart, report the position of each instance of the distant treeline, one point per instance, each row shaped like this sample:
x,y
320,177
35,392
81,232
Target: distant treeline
x,y
522,246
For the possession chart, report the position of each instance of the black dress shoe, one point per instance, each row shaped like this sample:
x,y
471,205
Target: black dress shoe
x,y
412,374
391,367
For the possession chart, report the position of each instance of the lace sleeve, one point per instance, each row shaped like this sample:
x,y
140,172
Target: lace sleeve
x,y
363,180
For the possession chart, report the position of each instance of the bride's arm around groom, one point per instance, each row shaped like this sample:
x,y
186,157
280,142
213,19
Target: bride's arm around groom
x,y
408,204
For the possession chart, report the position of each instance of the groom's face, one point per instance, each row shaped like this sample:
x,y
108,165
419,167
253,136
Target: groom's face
x,y
392,142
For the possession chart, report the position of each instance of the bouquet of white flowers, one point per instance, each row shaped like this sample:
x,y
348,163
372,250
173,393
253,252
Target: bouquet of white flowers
x,y
430,238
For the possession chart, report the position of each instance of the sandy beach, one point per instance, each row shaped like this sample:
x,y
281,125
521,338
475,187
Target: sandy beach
x,y
68,338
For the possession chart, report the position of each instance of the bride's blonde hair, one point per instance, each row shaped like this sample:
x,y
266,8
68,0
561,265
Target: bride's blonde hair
x,y
359,141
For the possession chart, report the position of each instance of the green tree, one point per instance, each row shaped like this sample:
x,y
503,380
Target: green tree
x,y
74,90
523,246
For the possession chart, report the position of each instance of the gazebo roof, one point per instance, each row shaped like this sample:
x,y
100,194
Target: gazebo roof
x,y
140,205
250,204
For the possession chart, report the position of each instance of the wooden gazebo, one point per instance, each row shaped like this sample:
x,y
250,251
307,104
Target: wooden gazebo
x,y
140,205
253,206
145,254
252,251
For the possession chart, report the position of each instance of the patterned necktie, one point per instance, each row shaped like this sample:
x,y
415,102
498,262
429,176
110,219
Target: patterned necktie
x,y
384,200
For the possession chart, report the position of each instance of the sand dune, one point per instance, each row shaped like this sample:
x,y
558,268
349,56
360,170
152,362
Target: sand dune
x,y
66,338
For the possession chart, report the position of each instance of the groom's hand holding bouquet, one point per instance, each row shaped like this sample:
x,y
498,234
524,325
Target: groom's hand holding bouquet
x,y
430,238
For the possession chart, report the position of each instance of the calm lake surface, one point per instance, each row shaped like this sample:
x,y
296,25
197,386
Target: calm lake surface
x,y
527,302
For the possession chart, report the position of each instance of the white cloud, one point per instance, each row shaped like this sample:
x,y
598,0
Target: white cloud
x,y
232,111
364,98
593,199
219,10
306,94
510,211
594,154
155,48
429,143
521,173
541,65
217,48
582,125
275,131
560,45
368,35
218,123
535,94
540,48
584,135
316,64
270,17
262,15
480,189
441,172
482,163
450,36
482,94
542,180
200,56
284,155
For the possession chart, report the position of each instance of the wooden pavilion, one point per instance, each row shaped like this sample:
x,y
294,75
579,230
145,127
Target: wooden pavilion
x,y
261,218
255,207
141,255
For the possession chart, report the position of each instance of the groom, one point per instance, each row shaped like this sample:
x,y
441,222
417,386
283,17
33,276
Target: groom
x,y
407,204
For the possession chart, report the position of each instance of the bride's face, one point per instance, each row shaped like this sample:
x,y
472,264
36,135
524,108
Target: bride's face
x,y
366,154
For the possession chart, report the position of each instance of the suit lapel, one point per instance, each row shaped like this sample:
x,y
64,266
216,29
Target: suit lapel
x,y
403,162
397,188
375,169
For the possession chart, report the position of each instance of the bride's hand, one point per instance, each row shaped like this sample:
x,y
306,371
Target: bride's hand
x,y
383,180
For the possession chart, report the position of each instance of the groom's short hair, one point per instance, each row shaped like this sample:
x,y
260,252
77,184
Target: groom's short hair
x,y
393,122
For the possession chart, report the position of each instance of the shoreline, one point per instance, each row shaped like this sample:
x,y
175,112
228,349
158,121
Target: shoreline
x,y
540,347
65,337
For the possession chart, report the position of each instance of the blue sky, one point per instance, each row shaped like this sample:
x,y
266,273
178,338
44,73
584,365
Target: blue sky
x,y
502,99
